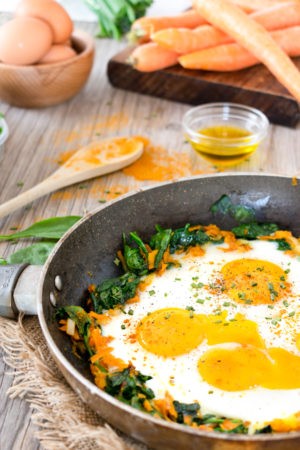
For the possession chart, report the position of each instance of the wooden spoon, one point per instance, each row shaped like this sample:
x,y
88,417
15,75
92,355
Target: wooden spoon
x,y
97,158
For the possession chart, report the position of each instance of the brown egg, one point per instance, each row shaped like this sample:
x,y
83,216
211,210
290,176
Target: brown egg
x,y
24,40
51,12
57,53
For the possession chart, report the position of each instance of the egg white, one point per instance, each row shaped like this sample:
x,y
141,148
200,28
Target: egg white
x,y
179,287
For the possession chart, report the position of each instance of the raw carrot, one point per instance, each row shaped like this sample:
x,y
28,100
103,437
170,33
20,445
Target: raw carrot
x,y
254,38
183,40
143,27
256,5
150,57
230,57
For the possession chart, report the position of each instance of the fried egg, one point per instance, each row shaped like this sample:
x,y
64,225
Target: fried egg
x,y
222,329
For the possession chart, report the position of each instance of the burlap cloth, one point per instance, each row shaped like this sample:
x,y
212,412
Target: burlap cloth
x,y
63,421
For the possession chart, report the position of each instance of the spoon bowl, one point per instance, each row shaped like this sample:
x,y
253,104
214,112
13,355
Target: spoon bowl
x,y
93,160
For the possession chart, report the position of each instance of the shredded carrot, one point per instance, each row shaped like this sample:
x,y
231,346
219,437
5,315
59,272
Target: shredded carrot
x,y
228,425
91,287
151,259
101,318
147,405
195,251
134,299
291,423
233,243
146,282
166,407
99,376
121,258
205,427
103,351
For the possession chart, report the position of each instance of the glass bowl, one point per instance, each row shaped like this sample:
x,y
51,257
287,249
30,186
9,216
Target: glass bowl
x,y
3,132
225,133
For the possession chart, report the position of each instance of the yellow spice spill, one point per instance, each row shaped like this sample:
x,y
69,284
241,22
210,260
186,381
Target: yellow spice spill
x,y
97,125
156,164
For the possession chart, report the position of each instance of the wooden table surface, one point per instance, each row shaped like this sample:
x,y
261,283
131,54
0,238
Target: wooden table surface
x,y
38,140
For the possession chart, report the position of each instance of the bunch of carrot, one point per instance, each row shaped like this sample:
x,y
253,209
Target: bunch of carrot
x,y
223,35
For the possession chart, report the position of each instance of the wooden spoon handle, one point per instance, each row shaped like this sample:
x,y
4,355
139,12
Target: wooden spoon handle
x,y
43,188
64,177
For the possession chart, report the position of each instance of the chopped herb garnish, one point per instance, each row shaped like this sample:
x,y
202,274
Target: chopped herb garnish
x,y
197,285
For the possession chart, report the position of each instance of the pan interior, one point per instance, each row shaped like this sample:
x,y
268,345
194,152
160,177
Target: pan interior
x,y
86,254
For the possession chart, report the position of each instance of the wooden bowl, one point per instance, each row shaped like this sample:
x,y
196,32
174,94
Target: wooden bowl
x,y
42,85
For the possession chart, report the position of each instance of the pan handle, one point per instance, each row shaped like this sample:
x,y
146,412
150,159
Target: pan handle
x,y
18,289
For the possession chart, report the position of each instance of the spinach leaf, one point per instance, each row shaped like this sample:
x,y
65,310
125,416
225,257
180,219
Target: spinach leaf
x,y
267,429
182,238
216,421
52,228
114,291
253,230
241,213
135,257
129,386
283,245
189,409
160,241
82,321
135,237
33,254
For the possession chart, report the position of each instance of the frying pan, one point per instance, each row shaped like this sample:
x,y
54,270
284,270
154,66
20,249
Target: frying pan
x,y
85,255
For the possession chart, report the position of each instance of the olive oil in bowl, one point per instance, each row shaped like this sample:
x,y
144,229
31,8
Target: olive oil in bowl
x,y
225,133
224,144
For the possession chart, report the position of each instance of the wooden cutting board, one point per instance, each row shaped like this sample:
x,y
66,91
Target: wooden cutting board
x,y
255,86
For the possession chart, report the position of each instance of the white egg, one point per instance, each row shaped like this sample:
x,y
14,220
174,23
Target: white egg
x,y
252,316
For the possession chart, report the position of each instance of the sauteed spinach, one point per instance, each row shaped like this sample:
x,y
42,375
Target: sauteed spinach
x,y
136,259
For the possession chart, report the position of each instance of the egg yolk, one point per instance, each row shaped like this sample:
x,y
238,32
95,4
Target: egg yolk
x,y
170,332
297,339
254,281
218,330
245,367
173,331
234,370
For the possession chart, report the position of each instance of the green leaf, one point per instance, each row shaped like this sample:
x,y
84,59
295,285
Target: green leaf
x,y
82,321
283,245
241,213
253,230
160,242
53,228
34,254
3,262
115,17
114,291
